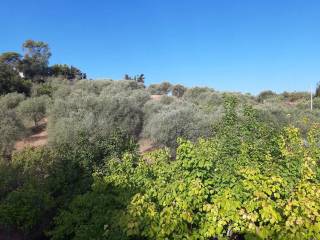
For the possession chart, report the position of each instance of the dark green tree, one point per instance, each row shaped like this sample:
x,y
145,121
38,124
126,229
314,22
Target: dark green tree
x,y
138,78
11,58
10,81
127,77
63,70
35,62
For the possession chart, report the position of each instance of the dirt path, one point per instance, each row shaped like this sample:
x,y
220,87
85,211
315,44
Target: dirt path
x,y
37,139
145,145
156,97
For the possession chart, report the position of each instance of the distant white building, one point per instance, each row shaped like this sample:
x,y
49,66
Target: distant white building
x,y
20,73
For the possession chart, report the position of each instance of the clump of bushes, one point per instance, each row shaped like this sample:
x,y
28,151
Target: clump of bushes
x,y
38,183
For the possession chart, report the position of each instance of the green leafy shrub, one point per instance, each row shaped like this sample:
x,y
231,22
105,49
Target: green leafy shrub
x,y
97,214
25,208
217,190
25,200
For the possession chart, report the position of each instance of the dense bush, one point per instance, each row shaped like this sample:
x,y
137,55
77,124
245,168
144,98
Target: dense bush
x,y
39,182
193,197
42,182
25,201
97,214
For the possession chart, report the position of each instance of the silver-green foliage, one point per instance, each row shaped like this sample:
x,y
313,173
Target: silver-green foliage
x,y
95,108
11,100
34,108
11,127
180,119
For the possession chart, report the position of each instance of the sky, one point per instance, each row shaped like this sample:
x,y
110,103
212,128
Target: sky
x,y
228,45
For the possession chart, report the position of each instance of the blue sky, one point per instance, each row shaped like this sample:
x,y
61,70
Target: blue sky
x,y
233,45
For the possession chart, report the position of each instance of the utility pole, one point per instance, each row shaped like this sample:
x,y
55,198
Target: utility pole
x,y
311,99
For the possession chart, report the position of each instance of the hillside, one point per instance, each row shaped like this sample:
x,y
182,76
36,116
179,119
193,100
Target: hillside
x,y
117,159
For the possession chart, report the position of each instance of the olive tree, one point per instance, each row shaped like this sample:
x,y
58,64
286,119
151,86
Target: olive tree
x,y
177,120
11,128
205,98
34,108
265,95
117,106
11,100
